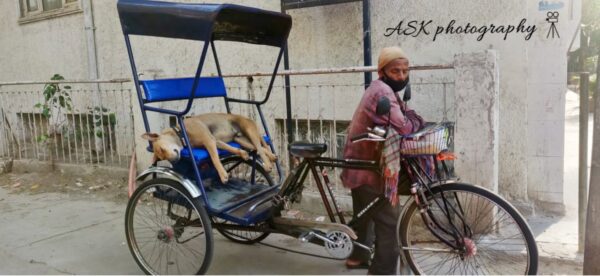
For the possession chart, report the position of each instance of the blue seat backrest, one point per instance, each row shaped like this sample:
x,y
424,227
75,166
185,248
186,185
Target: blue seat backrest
x,y
179,89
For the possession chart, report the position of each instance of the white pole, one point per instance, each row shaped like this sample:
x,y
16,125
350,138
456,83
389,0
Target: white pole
x,y
90,30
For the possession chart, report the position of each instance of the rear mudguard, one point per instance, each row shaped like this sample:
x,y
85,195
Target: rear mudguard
x,y
169,173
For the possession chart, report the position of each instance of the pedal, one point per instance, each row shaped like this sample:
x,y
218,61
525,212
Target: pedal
x,y
324,226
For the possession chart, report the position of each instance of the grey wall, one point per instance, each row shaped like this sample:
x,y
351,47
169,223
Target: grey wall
x,y
532,73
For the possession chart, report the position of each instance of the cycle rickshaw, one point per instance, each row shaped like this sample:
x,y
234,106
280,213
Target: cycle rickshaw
x,y
445,227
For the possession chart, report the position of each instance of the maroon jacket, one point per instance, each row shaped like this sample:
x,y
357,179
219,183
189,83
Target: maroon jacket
x,y
364,117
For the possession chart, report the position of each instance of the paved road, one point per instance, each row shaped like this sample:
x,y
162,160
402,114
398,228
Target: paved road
x,y
55,234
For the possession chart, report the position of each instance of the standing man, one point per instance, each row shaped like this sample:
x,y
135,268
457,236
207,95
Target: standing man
x,y
393,71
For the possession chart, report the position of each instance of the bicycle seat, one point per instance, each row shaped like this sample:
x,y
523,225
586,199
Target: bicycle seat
x,y
307,150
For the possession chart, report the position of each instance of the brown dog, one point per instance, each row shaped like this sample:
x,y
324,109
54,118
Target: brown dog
x,y
213,131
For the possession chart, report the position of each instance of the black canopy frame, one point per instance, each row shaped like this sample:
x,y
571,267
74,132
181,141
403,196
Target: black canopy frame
x,y
207,23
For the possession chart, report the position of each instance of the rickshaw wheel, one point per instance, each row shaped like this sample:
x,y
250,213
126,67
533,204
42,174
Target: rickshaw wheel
x,y
168,231
241,169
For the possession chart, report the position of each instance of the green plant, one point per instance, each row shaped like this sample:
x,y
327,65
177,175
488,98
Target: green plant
x,y
102,117
56,100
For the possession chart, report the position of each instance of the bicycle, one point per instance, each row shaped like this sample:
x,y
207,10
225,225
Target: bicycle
x,y
445,226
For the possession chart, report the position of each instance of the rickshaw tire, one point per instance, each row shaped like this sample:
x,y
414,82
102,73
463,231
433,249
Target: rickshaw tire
x,y
198,206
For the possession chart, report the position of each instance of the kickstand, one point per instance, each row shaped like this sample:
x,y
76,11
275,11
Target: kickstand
x,y
403,268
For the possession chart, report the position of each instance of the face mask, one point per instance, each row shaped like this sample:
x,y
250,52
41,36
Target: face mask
x,y
395,85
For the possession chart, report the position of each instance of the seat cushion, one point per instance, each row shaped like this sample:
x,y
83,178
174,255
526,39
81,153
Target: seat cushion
x,y
180,88
307,150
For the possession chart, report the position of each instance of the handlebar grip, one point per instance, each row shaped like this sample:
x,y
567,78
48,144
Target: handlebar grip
x,y
360,136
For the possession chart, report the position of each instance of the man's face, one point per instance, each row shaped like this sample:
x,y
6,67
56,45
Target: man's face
x,y
397,70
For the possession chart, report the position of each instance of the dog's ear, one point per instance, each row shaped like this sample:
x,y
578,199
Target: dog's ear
x,y
150,136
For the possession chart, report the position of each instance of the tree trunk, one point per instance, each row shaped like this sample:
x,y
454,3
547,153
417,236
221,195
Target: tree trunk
x,y
592,239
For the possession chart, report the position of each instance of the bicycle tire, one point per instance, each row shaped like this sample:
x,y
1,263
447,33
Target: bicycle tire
x,y
243,236
161,213
477,255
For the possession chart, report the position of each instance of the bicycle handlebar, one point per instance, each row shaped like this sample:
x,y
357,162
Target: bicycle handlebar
x,y
376,134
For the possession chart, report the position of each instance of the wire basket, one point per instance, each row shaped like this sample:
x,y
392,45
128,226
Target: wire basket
x,y
431,140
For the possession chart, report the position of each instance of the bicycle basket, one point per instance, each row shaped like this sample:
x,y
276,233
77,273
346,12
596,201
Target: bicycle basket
x,y
432,139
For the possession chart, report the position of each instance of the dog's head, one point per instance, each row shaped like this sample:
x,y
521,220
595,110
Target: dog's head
x,y
166,146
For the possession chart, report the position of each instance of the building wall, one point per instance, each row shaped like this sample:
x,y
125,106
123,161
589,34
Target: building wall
x,y
531,83
532,72
37,50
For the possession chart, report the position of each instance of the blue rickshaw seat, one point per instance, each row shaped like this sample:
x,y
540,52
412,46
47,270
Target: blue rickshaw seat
x,y
179,88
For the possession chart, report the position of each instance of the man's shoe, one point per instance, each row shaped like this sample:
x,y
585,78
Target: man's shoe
x,y
352,264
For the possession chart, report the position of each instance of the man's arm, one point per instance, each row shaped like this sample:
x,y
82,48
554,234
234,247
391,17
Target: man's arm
x,y
396,118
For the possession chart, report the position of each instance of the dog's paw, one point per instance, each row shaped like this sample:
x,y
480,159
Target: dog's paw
x,y
224,179
244,154
273,157
268,167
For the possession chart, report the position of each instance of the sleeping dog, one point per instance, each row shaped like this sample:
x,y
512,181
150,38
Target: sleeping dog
x,y
213,131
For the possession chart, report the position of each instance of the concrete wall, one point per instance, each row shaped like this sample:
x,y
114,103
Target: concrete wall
x,y
35,51
532,72
476,129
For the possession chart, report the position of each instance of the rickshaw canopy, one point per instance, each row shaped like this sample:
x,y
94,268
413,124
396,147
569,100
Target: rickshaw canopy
x,y
204,22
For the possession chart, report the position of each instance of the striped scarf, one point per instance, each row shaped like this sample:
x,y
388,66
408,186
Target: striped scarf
x,y
391,165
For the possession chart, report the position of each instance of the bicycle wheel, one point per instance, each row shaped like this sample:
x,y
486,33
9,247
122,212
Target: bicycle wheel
x,y
494,237
168,231
241,170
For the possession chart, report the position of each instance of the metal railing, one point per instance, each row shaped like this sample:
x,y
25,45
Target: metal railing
x,y
81,122
322,105
323,102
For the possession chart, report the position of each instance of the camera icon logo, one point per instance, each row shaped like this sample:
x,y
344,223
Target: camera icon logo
x,y
552,18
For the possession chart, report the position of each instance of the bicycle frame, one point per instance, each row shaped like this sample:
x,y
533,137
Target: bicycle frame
x,y
420,191
294,185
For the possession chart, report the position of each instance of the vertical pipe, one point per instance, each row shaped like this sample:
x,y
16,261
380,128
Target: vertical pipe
x,y
90,38
90,29
583,156
367,39
288,95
